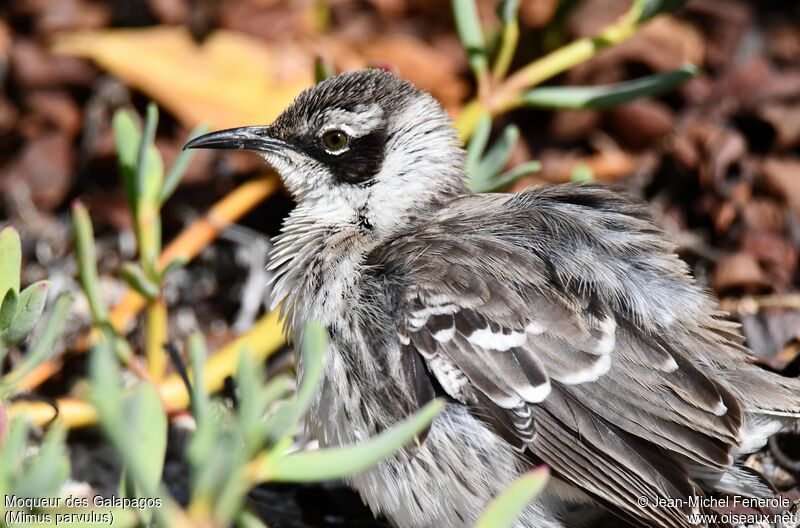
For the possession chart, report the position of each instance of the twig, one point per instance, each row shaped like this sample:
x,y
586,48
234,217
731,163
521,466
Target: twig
x,y
188,244
507,95
262,340
753,304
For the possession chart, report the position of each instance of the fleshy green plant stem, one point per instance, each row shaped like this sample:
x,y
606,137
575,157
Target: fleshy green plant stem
x,y
156,323
470,32
87,267
509,38
508,94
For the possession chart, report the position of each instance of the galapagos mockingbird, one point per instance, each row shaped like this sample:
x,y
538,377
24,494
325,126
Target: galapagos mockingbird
x,y
557,322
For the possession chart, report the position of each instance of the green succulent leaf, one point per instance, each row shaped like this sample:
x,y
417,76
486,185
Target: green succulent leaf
x,y
31,305
338,462
127,137
87,262
174,265
497,156
314,345
582,173
178,168
276,388
471,34
504,510
45,343
10,259
651,8
135,421
153,177
46,472
608,96
218,483
149,167
3,428
12,452
145,439
323,69
509,177
507,11
477,144
105,382
136,279
251,409
248,519
8,308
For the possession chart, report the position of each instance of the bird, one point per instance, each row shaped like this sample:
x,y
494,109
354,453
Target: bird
x,y
557,323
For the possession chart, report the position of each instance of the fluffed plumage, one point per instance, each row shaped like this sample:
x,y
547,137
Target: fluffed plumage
x,y
558,323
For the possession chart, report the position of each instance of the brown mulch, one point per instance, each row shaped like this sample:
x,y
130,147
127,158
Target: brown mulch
x,y
718,159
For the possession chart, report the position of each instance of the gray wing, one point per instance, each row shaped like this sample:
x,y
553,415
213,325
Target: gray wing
x,y
552,331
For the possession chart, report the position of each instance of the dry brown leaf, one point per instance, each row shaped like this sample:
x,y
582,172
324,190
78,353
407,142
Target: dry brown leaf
x,y
764,214
785,120
782,176
666,43
45,168
233,79
425,65
606,165
776,254
228,80
537,13
642,123
573,125
740,271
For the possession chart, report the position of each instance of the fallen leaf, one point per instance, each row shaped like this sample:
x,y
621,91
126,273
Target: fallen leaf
x,y
743,85
642,123
232,79
170,11
56,107
764,214
777,255
723,24
727,163
229,80
785,120
607,165
740,272
69,15
769,331
724,217
782,176
537,13
419,62
33,67
666,43
45,167
783,42
9,115
573,125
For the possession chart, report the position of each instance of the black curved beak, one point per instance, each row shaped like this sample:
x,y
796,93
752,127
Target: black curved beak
x,y
256,138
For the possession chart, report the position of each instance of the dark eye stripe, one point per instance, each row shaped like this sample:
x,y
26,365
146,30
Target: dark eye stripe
x,y
358,164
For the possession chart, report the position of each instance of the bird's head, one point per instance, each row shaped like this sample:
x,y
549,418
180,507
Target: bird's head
x,y
363,142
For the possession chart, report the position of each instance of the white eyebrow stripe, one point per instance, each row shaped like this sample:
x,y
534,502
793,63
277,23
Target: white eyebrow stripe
x,y
354,123
341,126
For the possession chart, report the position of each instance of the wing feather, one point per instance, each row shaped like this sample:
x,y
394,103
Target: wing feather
x,y
560,350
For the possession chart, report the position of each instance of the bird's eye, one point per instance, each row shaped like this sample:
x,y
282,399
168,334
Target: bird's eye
x,y
335,140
